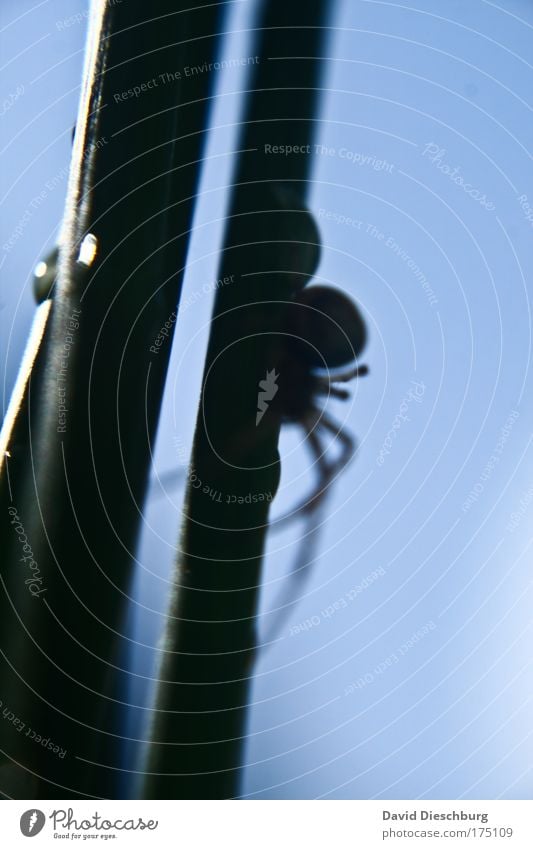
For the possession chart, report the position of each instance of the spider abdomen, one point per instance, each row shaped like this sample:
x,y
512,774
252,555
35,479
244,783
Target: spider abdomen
x,y
328,330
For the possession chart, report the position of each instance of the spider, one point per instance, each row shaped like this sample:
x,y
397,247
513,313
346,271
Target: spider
x,y
325,331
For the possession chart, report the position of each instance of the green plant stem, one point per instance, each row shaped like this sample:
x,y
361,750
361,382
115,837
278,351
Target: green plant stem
x,y
77,479
271,248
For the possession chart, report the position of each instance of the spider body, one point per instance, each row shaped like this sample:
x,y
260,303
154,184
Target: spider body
x,y
325,332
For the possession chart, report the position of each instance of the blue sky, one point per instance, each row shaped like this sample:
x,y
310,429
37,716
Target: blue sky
x,y
419,683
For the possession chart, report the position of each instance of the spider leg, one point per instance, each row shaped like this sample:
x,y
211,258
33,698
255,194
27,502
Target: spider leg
x,y
349,374
327,470
324,469
326,388
294,584
348,443
300,570
311,509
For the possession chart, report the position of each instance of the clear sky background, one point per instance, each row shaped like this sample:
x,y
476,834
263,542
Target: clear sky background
x,y
418,684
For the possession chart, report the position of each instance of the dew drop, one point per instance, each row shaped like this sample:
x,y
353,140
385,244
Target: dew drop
x,y
88,250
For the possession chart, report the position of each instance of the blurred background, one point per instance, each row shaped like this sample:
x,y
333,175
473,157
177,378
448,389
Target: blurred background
x,y
404,671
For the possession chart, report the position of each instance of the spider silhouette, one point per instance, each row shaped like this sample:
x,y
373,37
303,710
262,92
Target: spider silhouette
x,y
323,338
325,334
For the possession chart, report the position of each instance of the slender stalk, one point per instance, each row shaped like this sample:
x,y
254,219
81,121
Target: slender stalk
x,y
271,248
79,448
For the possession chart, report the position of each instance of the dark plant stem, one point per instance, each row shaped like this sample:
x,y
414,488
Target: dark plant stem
x,y
80,447
271,248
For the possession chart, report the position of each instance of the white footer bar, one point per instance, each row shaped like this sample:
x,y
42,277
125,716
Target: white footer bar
x,y
269,824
